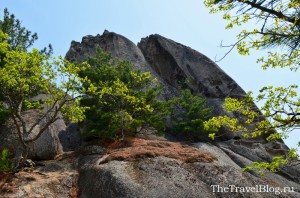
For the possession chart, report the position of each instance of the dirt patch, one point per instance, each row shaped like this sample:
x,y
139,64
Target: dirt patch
x,y
56,178
135,148
74,192
6,182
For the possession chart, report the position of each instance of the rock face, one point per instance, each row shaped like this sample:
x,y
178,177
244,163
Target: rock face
x,y
57,138
171,63
166,177
145,173
70,138
160,176
175,63
120,47
47,146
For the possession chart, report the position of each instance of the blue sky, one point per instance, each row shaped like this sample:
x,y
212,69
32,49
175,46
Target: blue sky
x,y
188,22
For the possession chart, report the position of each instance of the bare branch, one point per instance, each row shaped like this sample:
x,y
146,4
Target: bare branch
x,y
231,48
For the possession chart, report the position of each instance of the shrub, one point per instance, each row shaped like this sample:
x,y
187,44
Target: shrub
x,y
4,113
6,163
120,98
189,113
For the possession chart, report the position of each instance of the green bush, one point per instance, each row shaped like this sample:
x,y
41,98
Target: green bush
x,y
6,163
4,113
120,98
188,114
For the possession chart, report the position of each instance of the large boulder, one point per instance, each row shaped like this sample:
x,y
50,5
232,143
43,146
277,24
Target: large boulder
x,y
53,141
70,138
47,146
151,176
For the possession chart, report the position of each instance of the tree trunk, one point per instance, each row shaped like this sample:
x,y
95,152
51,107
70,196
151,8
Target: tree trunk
x,y
21,156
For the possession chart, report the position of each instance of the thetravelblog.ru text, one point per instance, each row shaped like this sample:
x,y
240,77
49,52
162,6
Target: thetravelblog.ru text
x,y
251,189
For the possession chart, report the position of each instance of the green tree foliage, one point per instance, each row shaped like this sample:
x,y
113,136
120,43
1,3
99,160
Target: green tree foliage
x,y
189,114
277,163
6,163
20,38
25,75
4,113
121,99
277,26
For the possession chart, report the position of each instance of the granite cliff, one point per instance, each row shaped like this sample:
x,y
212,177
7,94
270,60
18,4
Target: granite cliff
x,y
172,63
158,167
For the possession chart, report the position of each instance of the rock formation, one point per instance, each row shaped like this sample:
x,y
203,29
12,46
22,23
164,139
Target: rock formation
x,y
58,137
161,176
175,63
47,146
172,63
142,168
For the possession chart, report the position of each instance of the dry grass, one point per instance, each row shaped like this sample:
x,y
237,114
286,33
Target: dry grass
x,y
74,192
6,182
57,177
132,149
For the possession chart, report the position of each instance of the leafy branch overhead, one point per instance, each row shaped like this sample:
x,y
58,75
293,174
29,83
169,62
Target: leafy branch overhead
x,y
277,25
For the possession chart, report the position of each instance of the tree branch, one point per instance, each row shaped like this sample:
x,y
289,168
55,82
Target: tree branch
x,y
53,117
231,48
278,14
